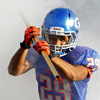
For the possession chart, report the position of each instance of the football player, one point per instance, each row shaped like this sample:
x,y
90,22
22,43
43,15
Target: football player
x,y
75,64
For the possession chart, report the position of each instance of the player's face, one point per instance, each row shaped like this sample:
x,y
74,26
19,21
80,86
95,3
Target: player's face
x,y
58,40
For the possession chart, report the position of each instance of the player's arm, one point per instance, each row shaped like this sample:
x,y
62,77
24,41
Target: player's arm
x,y
69,71
78,72
19,64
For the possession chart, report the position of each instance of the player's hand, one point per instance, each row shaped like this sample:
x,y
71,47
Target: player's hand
x,y
29,36
42,45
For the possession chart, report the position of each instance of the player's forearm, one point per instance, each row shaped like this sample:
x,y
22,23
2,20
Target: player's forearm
x,y
16,65
70,71
63,68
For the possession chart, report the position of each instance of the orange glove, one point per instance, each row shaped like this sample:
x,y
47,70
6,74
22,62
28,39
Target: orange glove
x,y
28,37
42,45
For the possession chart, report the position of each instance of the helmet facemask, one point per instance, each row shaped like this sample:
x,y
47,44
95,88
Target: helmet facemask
x,y
60,49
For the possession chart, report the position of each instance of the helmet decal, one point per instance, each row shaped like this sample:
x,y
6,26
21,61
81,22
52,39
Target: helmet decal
x,y
77,23
56,29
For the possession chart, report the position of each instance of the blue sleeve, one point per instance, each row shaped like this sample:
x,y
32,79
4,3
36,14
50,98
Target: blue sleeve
x,y
91,61
84,56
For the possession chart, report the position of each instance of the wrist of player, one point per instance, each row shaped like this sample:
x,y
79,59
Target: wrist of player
x,y
27,43
25,46
52,55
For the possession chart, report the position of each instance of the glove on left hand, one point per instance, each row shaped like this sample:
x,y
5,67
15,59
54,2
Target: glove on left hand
x,y
42,45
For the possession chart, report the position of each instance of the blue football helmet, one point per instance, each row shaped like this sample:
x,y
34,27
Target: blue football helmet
x,y
61,22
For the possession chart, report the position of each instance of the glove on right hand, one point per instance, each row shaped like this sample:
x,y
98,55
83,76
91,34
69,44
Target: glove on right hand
x,y
28,37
